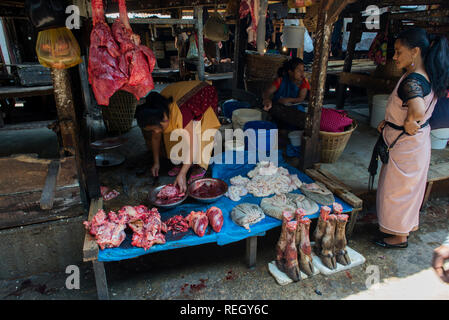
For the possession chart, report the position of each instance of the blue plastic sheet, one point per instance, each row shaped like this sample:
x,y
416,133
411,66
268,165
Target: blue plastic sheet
x,y
230,231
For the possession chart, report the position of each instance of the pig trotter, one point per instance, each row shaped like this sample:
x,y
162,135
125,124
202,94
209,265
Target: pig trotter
x,y
328,243
329,261
282,242
291,253
343,258
304,247
340,240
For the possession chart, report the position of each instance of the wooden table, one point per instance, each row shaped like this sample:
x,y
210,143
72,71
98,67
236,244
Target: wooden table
x,y
22,92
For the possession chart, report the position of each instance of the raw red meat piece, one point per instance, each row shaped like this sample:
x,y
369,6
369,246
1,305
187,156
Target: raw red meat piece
x,y
169,194
129,212
147,227
105,75
108,230
177,224
136,61
108,195
198,221
215,218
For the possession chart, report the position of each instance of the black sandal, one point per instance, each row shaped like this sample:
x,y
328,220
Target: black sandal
x,y
383,244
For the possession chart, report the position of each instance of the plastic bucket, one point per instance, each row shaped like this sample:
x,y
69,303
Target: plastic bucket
x,y
242,116
293,36
379,106
264,131
295,137
231,105
439,138
234,145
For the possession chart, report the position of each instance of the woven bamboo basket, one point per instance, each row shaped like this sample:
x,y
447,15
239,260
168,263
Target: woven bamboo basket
x,y
119,115
333,143
264,67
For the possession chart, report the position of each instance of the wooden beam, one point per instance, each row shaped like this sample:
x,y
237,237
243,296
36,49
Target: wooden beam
x,y
336,188
367,81
90,248
310,147
354,38
384,3
146,6
22,209
161,21
198,14
420,14
240,44
334,8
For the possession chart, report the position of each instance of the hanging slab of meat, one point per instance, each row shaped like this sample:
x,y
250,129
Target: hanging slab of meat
x,y
304,248
215,217
340,240
169,194
108,230
136,60
282,242
198,221
291,253
320,228
327,244
105,74
147,229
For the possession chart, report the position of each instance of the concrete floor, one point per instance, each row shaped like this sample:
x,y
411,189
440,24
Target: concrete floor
x,y
214,272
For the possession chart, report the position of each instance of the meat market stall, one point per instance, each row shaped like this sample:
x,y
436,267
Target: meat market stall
x,y
230,232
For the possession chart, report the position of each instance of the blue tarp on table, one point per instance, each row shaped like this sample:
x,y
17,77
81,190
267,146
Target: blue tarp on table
x,y
230,231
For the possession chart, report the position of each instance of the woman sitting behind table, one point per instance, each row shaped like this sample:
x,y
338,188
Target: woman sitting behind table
x,y
181,105
290,87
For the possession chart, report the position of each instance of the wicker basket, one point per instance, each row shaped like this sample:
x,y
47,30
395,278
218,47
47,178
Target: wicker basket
x,y
257,87
263,67
119,115
333,143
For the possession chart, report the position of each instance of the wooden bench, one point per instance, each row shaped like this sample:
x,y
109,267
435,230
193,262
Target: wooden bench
x,y
91,250
339,189
437,172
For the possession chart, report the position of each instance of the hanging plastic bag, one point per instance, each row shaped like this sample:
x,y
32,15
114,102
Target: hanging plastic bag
x,y
308,42
57,48
216,28
299,3
193,49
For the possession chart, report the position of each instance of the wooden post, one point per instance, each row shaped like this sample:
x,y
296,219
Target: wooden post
x,y
310,147
198,12
251,251
240,44
67,120
354,38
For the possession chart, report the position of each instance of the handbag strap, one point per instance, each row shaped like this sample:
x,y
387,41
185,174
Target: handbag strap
x,y
401,128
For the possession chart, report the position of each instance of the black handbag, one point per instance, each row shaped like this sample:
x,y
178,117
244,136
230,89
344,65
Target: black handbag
x,y
382,151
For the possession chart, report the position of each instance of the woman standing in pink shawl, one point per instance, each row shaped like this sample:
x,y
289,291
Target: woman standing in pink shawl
x,y
402,181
